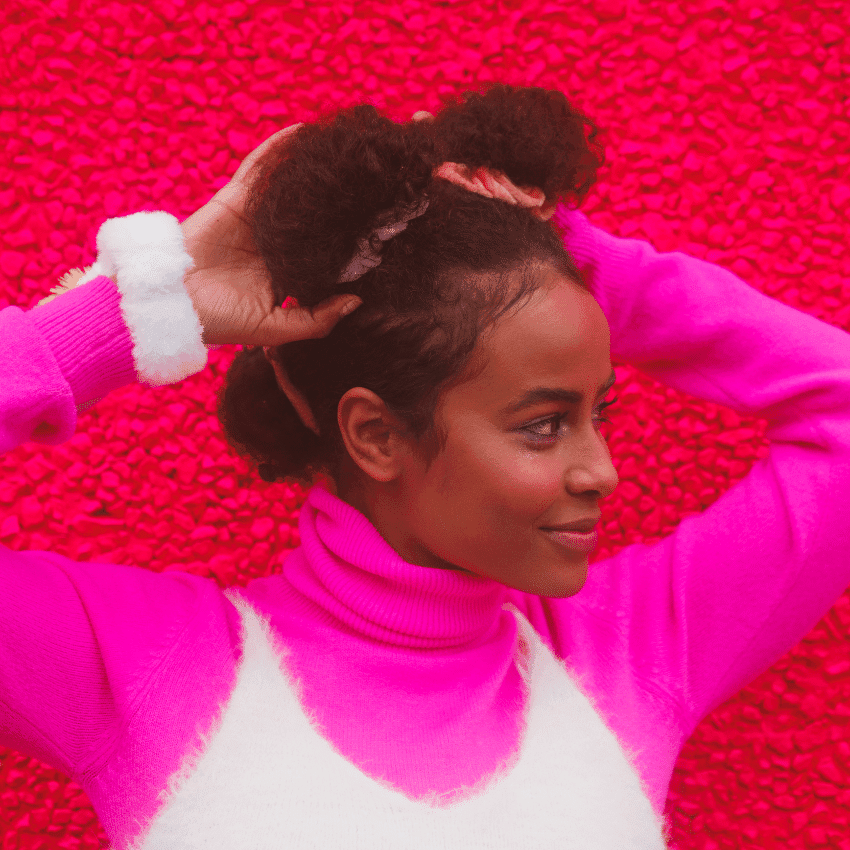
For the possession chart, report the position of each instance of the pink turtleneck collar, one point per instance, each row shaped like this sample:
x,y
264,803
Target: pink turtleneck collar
x,y
408,670
357,579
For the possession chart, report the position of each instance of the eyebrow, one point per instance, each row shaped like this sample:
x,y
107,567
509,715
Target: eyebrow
x,y
541,394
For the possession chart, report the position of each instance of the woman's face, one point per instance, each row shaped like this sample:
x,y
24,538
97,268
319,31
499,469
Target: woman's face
x,y
505,475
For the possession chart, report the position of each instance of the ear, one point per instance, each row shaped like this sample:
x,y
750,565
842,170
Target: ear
x,y
374,437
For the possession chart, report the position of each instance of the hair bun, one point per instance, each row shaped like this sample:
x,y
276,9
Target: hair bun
x,y
260,421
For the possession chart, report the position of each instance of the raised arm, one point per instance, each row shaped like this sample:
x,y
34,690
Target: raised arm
x,y
79,642
690,620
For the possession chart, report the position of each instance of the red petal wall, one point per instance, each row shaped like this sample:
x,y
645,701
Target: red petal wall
x,y
727,129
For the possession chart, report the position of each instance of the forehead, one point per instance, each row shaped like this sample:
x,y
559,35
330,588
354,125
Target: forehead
x,y
558,338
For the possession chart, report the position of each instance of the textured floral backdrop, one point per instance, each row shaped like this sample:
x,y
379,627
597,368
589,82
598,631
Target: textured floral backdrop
x,y
727,135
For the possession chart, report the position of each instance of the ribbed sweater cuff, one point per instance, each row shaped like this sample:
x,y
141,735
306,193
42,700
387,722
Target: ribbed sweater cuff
x,y
89,339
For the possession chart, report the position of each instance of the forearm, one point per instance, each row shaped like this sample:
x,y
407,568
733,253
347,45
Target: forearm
x,y
699,328
136,324
58,357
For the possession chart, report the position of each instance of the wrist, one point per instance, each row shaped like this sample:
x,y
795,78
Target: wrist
x,y
145,254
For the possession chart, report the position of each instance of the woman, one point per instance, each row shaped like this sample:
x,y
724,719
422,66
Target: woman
x,y
435,665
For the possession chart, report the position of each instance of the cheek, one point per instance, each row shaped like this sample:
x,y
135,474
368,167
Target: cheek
x,y
533,481
507,478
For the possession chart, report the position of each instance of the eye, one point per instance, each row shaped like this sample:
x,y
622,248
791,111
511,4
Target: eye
x,y
555,421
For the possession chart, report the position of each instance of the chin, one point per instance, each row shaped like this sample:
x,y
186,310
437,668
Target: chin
x,y
563,584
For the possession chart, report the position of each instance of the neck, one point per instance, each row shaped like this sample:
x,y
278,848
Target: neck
x,y
347,568
386,509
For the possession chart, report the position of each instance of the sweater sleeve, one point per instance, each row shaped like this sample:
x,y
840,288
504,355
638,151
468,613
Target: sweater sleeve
x,y
58,359
81,644
700,614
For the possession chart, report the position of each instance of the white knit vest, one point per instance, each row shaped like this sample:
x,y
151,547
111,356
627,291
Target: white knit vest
x,y
267,780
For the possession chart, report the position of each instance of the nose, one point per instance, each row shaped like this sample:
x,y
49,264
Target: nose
x,y
594,471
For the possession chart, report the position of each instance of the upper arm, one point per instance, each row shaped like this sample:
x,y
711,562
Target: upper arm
x,y
80,642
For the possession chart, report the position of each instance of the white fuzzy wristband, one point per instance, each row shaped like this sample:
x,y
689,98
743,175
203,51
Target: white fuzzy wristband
x,y
145,255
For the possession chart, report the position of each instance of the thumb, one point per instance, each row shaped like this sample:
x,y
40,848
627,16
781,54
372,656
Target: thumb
x,y
348,305
296,323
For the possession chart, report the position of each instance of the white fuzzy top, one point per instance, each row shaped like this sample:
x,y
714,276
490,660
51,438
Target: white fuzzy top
x,y
268,780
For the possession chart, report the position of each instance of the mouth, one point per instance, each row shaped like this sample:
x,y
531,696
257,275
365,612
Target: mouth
x,y
575,541
582,526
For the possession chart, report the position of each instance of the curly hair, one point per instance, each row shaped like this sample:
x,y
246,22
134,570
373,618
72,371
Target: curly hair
x,y
441,282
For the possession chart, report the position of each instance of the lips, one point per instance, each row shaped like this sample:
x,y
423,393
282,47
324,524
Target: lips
x,y
581,525
575,541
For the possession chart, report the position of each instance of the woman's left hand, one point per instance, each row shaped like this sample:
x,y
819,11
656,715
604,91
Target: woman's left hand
x,y
230,286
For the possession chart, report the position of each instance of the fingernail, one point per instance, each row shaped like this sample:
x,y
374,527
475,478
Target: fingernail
x,y
350,307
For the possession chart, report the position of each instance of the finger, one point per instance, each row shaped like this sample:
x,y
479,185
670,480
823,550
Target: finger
x,y
261,149
422,115
297,323
496,186
233,193
517,192
546,212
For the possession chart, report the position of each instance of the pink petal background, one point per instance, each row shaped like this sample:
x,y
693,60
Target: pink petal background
x,y
727,134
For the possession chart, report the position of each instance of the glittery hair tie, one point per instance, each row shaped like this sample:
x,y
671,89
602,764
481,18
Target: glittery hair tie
x,y
390,224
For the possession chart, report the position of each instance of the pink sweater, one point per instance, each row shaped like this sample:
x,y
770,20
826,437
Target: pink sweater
x,y
113,673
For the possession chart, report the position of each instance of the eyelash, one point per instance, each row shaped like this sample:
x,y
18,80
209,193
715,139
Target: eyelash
x,y
557,420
